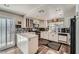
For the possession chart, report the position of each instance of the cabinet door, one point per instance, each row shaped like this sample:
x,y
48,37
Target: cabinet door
x,y
19,41
63,38
24,45
33,45
43,35
56,37
46,35
51,37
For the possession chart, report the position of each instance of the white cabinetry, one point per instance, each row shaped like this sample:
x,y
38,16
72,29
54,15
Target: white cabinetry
x,y
53,37
33,45
49,36
45,35
63,38
56,37
27,43
36,21
43,24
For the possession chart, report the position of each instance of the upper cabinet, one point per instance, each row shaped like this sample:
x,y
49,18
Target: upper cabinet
x,y
35,21
59,22
42,23
29,23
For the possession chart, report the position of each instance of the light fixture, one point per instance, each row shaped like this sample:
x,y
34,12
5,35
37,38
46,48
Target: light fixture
x,y
41,11
6,5
59,12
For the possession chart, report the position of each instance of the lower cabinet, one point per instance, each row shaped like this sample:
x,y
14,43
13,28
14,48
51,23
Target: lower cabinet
x,y
56,37
53,37
27,45
33,45
45,35
49,36
64,39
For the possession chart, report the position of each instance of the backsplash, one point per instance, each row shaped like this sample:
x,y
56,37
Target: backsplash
x,y
30,29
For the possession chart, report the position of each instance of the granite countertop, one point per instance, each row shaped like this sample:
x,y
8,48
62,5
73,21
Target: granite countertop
x,y
27,34
63,33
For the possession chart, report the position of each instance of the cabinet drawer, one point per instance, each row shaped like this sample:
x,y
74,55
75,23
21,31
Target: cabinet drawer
x,y
51,37
56,37
44,35
62,38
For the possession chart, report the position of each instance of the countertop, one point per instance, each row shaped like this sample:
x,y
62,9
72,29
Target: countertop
x,y
28,34
63,33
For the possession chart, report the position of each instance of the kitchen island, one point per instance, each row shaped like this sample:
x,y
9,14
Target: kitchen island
x,y
27,42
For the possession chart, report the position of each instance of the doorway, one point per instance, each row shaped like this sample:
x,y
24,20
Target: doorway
x,y
7,33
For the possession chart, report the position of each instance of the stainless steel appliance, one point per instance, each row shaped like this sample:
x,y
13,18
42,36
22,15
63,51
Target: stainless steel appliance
x,y
65,30
73,35
7,33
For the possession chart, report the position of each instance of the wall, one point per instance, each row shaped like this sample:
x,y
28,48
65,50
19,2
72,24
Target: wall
x,y
68,15
67,22
77,35
15,17
77,30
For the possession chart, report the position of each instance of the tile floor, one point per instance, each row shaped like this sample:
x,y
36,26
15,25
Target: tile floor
x,y
43,49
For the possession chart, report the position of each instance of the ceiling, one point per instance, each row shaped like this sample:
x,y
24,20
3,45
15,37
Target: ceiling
x,y
40,11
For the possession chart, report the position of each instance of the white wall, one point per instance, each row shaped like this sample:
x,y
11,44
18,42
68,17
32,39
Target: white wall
x,y
15,17
68,15
77,35
67,22
77,30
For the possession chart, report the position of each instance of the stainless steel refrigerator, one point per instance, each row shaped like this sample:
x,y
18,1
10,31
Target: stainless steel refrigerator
x,y
7,33
73,34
